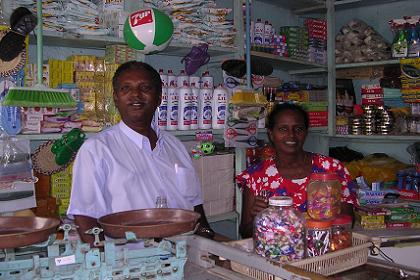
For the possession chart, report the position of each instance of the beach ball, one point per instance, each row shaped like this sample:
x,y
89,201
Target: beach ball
x,y
148,30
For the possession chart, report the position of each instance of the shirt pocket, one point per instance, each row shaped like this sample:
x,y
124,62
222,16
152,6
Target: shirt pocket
x,y
186,181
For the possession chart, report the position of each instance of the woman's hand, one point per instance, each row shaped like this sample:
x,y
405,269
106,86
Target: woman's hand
x,y
251,206
260,203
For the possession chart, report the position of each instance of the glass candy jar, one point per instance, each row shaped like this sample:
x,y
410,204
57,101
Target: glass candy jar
x,y
318,237
341,236
279,231
324,196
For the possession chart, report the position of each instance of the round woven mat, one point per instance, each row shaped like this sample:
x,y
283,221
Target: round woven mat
x,y
9,68
44,160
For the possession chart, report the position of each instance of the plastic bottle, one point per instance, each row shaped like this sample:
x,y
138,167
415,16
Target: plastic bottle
x,y
194,107
162,110
219,107
267,33
205,104
171,79
413,43
258,32
206,80
172,123
400,44
164,78
184,110
182,79
196,80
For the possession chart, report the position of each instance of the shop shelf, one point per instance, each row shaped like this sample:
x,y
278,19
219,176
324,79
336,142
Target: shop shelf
x,y
286,63
53,136
367,64
100,42
378,138
297,4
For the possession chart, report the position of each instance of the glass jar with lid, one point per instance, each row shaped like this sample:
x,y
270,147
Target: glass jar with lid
x,y
341,236
318,237
324,196
279,231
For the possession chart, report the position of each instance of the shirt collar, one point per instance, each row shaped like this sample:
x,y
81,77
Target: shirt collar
x,y
138,138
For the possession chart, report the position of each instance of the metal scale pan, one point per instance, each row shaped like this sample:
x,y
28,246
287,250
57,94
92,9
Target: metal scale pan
x,y
23,231
149,223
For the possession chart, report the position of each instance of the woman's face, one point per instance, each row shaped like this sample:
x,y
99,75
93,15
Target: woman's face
x,y
289,132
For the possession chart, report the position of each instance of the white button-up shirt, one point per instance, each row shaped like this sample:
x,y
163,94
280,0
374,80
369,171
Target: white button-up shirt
x,y
116,170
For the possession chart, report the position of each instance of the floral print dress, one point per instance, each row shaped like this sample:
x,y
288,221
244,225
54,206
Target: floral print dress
x,y
263,179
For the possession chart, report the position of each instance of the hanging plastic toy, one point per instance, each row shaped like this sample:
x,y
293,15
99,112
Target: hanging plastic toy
x,y
66,147
148,31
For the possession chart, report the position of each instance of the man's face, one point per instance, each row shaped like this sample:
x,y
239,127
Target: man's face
x,y
136,97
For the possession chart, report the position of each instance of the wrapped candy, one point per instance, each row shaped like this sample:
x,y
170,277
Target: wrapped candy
x,y
318,237
341,236
279,231
324,196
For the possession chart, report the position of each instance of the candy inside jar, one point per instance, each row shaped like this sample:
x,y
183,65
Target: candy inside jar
x,y
279,231
341,236
324,196
318,237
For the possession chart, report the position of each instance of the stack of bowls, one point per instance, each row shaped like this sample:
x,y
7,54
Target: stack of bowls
x,y
369,120
356,126
384,121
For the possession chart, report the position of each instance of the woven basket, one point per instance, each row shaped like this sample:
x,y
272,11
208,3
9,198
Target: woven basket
x,y
326,265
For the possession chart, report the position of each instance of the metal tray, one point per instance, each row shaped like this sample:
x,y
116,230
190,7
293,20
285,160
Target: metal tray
x,y
23,231
149,223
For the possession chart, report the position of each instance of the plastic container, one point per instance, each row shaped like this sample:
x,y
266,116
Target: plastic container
x,y
341,236
205,100
195,81
183,80
162,110
324,196
163,77
279,231
173,102
219,107
172,79
258,32
184,109
318,237
194,107
207,80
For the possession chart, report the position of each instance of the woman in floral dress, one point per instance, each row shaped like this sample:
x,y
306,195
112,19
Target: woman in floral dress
x,y
288,172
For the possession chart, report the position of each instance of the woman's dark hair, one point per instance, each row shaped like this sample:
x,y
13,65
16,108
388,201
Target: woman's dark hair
x,y
137,65
279,108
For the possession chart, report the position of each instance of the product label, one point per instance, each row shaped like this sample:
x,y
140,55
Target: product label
x,y
207,110
187,115
173,117
162,115
221,112
141,17
193,112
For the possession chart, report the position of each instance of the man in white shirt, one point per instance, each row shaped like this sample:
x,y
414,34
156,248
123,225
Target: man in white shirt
x,y
129,165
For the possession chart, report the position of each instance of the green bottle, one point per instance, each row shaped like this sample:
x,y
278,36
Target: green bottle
x,y
400,44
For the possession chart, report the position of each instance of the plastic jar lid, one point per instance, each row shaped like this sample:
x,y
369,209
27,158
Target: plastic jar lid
x,y
280,201
318,224
324,176
342,220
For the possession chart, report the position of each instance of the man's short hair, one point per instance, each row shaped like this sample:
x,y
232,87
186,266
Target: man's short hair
x,y
137,65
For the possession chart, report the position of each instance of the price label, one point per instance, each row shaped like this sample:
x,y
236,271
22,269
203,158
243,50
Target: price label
x,y
66,260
